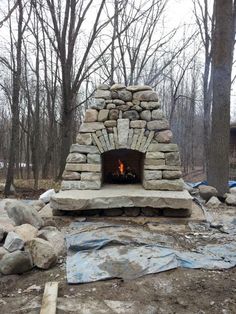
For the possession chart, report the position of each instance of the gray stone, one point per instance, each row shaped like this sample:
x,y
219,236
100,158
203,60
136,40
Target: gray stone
x,y
42,252
163,148
77,148
161,167
132,212
152,175
137,88
111,106
84,139
123,132
83,167
105,94
149,105
157,114
123,107
167,174
91,176
91,115
112,212
99,104
207,191
232,190
113,114
22,213
155,155
138,124
94,158
172,159
164,136
231,199
131,114
103,115
158,125
26,231
124,95
117,87
77,157
118,102
145,96
214,202
13,242
168,185
137,108
71,175
110,123
55,238
177,212
103,87
146,115
3,252
154,162
117,196
17,262
151,212
87,127
81,185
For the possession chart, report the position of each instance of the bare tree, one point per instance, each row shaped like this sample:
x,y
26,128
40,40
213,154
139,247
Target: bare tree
x,y
205,22
222,59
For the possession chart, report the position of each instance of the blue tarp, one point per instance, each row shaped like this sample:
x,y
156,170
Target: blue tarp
x,y
98,251
197,184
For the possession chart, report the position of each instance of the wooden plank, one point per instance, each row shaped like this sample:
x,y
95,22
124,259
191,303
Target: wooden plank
x,y
49,302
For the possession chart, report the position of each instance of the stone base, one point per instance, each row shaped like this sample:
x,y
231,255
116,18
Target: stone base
x,y
118,196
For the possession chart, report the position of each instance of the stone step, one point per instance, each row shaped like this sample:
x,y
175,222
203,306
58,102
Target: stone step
x,y
117,196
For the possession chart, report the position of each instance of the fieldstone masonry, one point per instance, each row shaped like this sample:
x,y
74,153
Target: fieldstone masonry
x,y
124,118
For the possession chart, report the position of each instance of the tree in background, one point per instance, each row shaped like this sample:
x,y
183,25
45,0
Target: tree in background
x,y
222,60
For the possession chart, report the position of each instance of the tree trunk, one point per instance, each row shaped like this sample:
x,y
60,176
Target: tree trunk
x,y
14,142
223,44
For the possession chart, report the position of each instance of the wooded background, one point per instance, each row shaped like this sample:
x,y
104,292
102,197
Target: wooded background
x,y
55,52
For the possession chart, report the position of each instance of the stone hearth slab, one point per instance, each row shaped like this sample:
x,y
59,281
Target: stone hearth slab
x,y
116,196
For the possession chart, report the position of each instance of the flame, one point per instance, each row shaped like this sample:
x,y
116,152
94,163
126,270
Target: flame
x,y
121,167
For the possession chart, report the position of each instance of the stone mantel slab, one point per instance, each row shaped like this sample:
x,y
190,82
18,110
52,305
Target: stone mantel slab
x,y
116,196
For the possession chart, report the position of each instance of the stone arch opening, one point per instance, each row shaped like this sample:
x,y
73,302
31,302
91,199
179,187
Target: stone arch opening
x,y
122,166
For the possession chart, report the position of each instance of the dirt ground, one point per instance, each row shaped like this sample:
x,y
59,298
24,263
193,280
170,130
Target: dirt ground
x,y
180,291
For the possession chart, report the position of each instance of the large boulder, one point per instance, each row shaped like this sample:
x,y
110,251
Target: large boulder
x,y
55,237
16,262
42,252
22,213
233,190
213,202
13,242
3,252
207,191
231,199
26,231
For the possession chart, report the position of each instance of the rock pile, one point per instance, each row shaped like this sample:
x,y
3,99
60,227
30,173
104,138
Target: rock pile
x,y
30,243
123,117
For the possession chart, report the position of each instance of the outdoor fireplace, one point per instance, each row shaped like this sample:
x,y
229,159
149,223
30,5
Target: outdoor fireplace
x,y
123,156
122,166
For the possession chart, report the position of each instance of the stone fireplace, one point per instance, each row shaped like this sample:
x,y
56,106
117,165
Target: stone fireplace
x,y
124,141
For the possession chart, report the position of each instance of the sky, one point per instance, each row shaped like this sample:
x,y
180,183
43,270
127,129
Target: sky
x,y
177,13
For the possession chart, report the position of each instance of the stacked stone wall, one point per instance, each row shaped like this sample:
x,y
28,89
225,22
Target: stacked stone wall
x,y
123,117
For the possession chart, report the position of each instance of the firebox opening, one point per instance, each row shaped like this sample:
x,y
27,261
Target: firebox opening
x,y
122,166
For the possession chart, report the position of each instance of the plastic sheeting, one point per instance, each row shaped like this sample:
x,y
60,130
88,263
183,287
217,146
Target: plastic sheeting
x,y
98,251
231,184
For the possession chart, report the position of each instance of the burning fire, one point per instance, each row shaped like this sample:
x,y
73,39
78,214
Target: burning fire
x,y
121,167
